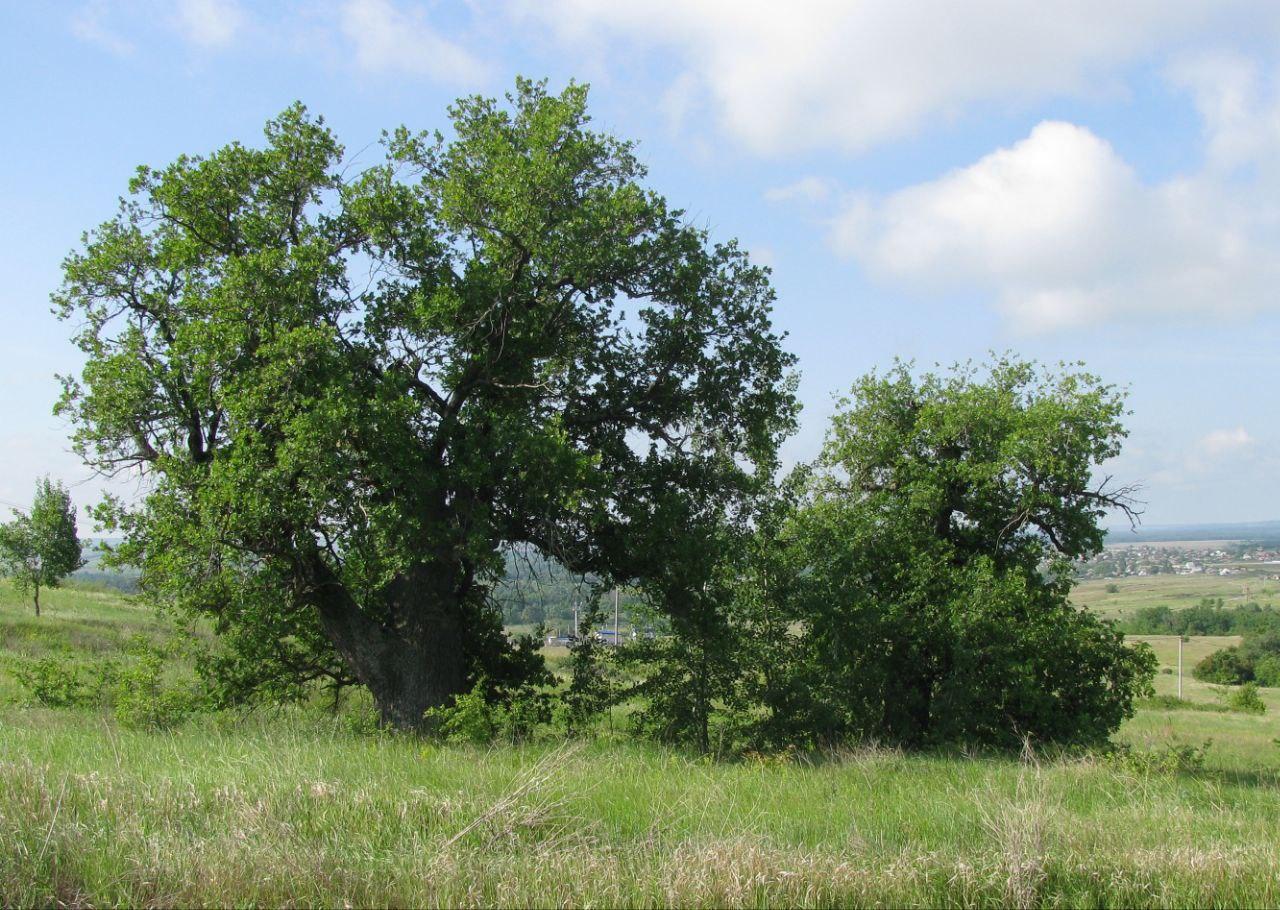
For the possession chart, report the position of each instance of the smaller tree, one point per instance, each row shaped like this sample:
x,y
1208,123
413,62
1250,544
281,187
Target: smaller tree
x,y
41,548
935,550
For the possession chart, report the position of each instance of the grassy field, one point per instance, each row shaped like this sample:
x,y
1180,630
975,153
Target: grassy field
x,y
293,807
1176,591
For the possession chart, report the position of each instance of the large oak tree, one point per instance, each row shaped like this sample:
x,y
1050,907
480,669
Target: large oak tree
x,y
347,389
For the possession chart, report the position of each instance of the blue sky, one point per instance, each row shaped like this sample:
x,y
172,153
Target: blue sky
x,y
926,181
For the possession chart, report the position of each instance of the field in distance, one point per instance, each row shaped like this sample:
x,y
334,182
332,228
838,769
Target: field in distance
x,y
1175,591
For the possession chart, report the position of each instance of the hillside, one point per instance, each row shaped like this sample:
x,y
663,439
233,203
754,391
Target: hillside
x,y
307,808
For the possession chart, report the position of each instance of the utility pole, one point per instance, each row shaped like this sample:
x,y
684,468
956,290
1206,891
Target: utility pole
x,y
1179,666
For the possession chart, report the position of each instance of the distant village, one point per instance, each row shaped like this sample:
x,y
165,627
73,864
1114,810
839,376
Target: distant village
x,y
1218,557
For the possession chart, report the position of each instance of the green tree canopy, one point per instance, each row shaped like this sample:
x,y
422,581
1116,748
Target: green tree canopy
x,y
349,389
933,548
40,548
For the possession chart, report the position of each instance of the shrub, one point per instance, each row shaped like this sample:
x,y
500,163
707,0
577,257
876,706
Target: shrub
x,y
55,683
1172,758
481,716
1246,699
1257,660
1266,671
470,719
142,701
527,709
361,717
1227,667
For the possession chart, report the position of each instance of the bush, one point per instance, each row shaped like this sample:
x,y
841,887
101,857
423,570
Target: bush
x,y
142,701
361,717
1266,671
1246,699
1172,758
470,719
481,716
135,692
55,683
1257,660
1227,667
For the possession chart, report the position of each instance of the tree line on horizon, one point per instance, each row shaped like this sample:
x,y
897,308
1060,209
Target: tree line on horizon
x,y
354,392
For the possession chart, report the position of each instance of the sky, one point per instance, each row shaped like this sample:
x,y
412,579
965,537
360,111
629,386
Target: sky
x,y
1093,181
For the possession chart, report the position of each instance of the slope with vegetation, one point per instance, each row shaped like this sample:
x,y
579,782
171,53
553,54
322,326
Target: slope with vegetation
x,y
312,805
305,807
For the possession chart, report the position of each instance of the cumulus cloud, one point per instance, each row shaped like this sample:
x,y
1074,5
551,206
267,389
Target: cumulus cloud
x,y
209,23
1062,232
853,73
391,39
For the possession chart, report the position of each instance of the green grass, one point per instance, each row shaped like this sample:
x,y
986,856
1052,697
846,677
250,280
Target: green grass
x,y
81,624
290,807
1176,591
281,811
1196,648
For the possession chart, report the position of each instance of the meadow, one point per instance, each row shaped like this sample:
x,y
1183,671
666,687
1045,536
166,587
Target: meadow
x,y
303,807
1176,591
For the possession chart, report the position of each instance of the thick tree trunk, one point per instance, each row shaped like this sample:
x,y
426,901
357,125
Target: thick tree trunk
x,y
37,595
415,663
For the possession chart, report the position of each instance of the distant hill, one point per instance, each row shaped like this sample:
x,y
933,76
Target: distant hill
x,y
96,573
1262,531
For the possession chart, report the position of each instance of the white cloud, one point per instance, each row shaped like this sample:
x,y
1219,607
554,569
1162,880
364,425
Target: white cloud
x,y
1063,233
679,101
1225,442
806,189
88,24
394,40
1216,459
1239,108
853,73
209,23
